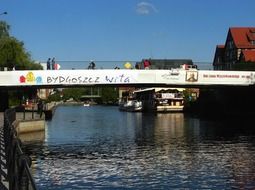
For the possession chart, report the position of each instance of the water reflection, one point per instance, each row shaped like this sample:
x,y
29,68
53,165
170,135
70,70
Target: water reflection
x,y
102,148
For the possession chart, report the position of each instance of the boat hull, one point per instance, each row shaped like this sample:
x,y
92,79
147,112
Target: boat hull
x,y
169,108
131,106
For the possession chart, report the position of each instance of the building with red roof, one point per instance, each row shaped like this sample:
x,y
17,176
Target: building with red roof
x,y
247,56
218,61
239,47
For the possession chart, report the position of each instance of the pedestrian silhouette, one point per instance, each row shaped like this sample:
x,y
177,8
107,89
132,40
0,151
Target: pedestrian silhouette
x,y
53,67
48,64
92,65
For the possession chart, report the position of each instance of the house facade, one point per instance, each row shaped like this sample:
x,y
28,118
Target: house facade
x,y
239,47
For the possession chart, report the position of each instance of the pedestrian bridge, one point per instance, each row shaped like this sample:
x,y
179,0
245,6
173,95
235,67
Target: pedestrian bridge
x,y
125,77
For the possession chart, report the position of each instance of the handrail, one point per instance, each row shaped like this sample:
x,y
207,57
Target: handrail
x,y
18,164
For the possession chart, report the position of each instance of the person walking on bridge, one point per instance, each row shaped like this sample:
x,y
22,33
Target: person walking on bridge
x,y
146,64
48,64
92,65
53,64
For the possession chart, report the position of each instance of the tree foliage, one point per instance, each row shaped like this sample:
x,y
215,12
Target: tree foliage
x,y
110,95
4,29
67,94
73,93
13,53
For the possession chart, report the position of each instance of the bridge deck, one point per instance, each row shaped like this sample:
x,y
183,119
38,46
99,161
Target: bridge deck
x,y
122,77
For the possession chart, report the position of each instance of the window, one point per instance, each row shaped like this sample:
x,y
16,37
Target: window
x,y
230,44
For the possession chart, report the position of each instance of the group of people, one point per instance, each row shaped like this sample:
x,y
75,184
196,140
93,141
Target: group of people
x,y
51,64
146,64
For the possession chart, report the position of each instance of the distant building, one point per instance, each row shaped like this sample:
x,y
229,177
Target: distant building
x,y
218,62
239,47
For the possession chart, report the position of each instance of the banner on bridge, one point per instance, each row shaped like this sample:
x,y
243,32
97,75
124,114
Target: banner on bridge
x,y
124,77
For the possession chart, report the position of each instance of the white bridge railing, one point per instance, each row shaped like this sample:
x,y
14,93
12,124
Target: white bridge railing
x,y
69,65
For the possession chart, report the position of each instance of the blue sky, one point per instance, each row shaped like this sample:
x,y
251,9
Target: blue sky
x,y
110,30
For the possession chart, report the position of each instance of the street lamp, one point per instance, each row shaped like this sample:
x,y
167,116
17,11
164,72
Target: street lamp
x,y
4,13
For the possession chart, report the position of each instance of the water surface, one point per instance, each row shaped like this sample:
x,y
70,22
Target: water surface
x,y
99,147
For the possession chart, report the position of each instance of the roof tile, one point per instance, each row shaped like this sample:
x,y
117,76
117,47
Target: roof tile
x,y
242,36
249,55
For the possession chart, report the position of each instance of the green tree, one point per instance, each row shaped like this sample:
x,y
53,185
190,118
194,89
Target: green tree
x,y
66,94
54,97
4,29
110,95
74,93
13,53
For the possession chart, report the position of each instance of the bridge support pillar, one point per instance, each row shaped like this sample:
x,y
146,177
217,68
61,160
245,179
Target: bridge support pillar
x,y
4,100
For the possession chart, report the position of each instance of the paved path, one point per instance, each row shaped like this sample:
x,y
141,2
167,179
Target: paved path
x,y
3,170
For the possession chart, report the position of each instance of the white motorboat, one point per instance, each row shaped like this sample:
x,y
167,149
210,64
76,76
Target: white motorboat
x,y
131,106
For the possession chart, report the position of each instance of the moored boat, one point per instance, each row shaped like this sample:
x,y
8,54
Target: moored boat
x,y
161,100
130,106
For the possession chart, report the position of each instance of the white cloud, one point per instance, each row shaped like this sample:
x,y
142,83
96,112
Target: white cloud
x,y
145,8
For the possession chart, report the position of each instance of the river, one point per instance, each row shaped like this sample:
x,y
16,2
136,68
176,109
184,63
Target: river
x,y
99,147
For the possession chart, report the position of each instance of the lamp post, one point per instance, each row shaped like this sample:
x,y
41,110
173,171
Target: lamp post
x,y
4,13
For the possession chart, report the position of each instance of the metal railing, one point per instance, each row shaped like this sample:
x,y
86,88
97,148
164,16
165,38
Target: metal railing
x,y
79,64
18,164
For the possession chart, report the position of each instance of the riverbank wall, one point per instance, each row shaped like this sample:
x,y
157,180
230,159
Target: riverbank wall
x,y
32,128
